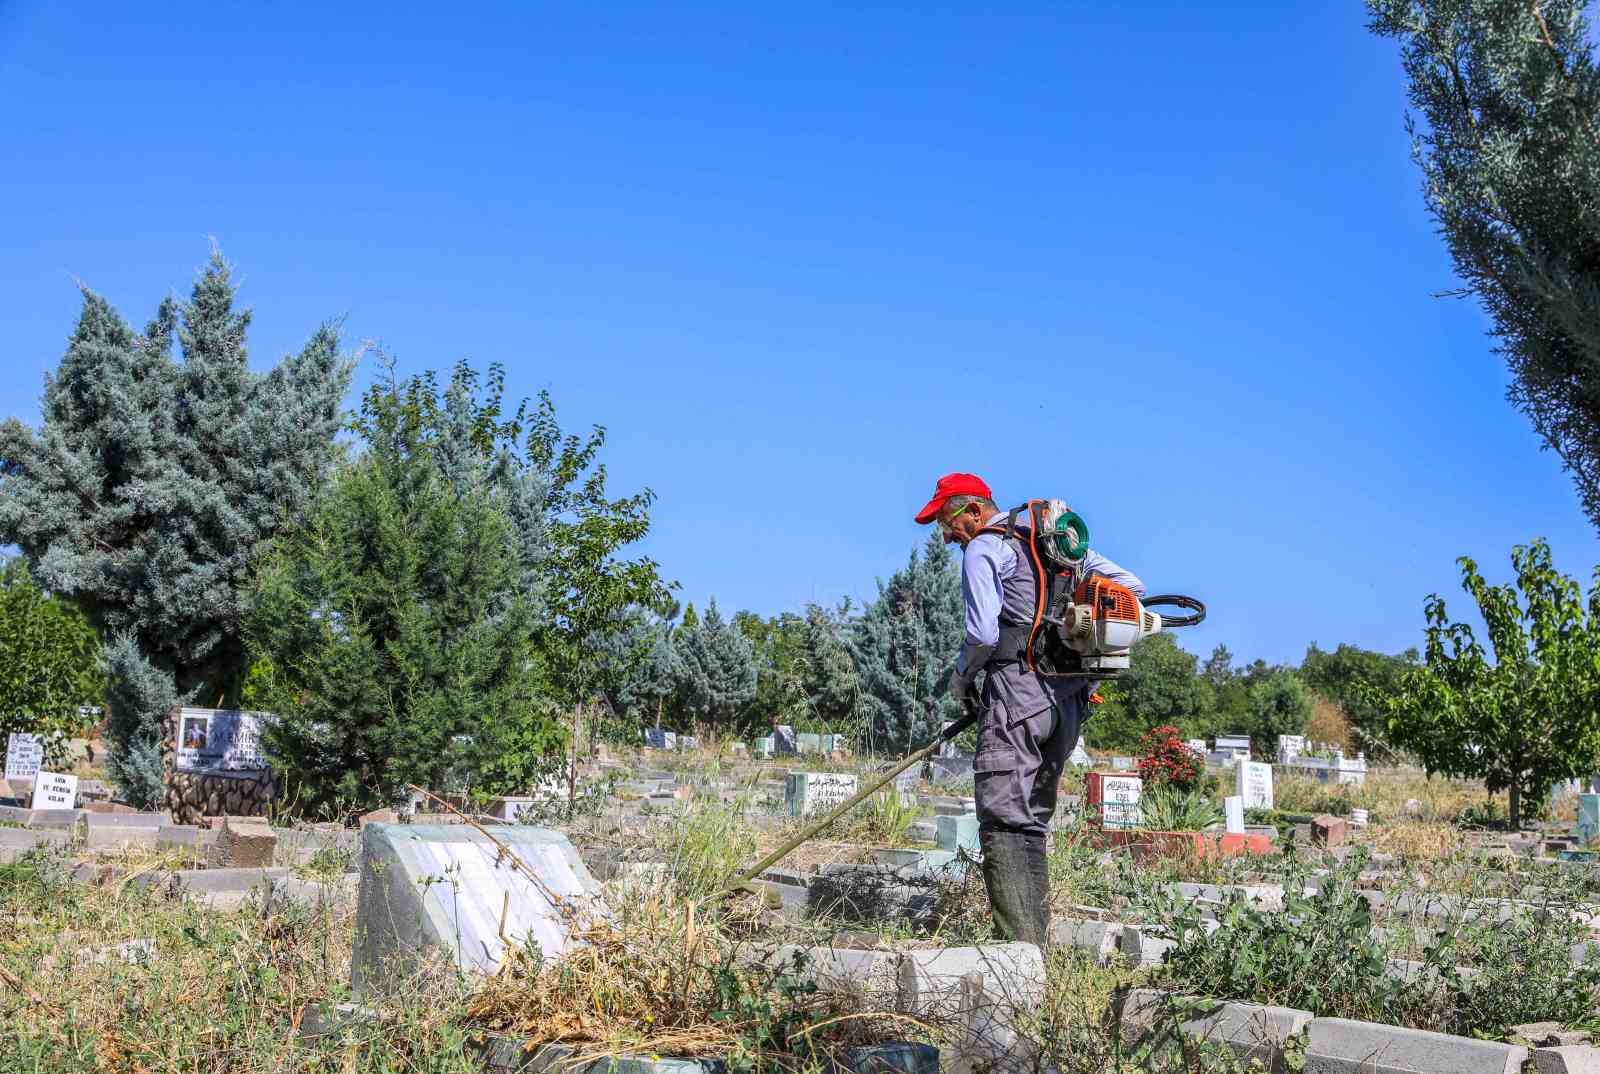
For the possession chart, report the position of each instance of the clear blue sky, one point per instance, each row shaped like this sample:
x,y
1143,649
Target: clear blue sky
x,y
1168,261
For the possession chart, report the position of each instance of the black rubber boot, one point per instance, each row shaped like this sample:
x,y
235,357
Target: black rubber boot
x,y
1014,875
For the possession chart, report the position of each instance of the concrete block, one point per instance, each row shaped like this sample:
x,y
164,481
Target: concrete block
x,y
130,819
958,832
1260,896
1100,939
1328,830
1341,1046
872,975
1142,948
450,887
243,843
66,819
120,835
984,989
1253,1032
1568,1059
15,842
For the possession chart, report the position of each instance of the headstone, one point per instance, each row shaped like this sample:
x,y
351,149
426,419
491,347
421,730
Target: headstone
x,y
380,816
1588,817
655,738
669,740
1122,764
906,784
510,807
806,742
1080,755
1233,809
783,739
1113,800
1358,818
54,790
452,888
688,742
947,748
1198,745
810,792
1290,747
243,843
958,832
219,740
763,747
24,755
1327,830
1254,783
1233,744
836,743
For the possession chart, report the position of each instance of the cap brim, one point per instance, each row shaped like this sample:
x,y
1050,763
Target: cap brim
x,y
931,512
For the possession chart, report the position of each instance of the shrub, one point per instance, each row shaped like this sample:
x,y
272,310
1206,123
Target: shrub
x,y
1164,758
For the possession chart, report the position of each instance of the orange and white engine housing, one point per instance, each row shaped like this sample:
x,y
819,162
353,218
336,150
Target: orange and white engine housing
x,y
1104,621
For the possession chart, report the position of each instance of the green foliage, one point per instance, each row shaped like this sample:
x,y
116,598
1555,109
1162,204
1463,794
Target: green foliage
x,y
150,484
1160,687
396,627
49,664
1510,98
1167,807
1352,676
1529,717
1278,704
714,665
904,648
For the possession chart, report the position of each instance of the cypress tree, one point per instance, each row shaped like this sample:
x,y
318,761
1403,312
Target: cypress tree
x,y
150,483
826,673
1510,97
715,668
904,647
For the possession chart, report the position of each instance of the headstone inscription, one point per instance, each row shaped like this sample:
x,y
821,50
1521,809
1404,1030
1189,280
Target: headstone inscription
x,y
1254,783
1197,744
1290,747
806,793
219,740
655,738
1113,800
1233,744
1122,764
24,755
55,790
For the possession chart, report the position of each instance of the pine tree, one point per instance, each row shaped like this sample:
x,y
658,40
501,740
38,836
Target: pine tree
x,y
904,648
716,671
1510,95
149,485
637,667
395,624
826,673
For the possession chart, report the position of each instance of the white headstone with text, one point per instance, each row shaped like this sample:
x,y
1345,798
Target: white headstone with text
x,y
1198,745
24,755
1119,801
1290,747
1255,783
817,792
219,740
55,790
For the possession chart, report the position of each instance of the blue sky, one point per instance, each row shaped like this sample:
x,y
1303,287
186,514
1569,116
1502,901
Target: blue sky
x,y
1168,261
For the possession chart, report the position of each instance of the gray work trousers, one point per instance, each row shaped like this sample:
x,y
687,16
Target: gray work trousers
x,y
1018,766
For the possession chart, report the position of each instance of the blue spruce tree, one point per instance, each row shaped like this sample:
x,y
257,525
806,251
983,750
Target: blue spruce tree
x,y
150,483
715,668
904,647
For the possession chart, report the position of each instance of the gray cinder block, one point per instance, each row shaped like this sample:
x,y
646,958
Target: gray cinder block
x,y
1341,1046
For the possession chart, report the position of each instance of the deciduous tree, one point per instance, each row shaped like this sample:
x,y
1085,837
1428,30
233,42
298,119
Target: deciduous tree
x,y
1525,712
49,664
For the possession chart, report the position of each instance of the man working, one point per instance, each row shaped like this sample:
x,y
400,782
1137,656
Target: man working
x,y
1029,722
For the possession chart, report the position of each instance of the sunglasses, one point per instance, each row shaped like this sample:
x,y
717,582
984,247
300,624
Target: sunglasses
x,y
946,523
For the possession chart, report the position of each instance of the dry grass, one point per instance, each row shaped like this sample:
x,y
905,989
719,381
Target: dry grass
x,y
1418,840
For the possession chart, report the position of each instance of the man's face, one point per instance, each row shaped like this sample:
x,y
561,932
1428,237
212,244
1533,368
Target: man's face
x,y
961,524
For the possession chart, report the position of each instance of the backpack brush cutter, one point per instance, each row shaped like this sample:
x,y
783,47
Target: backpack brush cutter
x,y
1085,626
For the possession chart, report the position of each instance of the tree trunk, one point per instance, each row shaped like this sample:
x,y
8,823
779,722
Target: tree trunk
x,y
1516,805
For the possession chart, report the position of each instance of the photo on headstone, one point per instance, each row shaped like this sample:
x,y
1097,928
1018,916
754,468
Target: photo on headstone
x,y
219,740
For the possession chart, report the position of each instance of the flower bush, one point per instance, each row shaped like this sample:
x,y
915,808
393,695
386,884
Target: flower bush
x,y
1164,758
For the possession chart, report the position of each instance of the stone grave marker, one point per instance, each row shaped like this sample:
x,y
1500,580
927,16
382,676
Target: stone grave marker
x,y
1122,764
655,738
1233,744
54,790
906,784
806,742
1233,808
1113,800
783,739
688,742
959,832
1290,747
24,755
763,747
1079,756
806,793
1198,745
243,843
449,887
1254,783
1588,817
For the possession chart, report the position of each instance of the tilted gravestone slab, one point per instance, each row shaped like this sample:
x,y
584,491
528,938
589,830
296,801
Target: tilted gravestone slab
x,y
242,843
449,887
1340,1046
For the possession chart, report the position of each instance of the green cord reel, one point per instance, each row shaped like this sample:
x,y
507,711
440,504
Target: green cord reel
x,y
1067,539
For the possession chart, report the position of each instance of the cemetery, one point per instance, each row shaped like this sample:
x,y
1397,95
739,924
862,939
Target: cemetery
x,y
1275,934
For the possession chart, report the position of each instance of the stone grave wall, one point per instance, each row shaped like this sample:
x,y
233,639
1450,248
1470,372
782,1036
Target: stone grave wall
x,y
194,795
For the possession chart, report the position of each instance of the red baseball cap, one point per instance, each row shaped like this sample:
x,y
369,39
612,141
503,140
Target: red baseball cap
x,y
952,485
